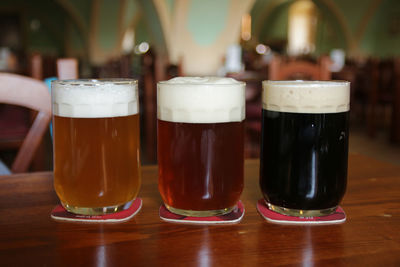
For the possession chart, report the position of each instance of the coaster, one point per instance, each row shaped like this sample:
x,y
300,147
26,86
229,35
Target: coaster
x,y
337,217
59,213
230,218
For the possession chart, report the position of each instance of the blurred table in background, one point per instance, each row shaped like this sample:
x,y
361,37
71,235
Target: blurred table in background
x,y
253,92
369,237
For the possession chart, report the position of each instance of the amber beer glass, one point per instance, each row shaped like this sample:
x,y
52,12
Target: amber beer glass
x,y
96,144
304,146
200,144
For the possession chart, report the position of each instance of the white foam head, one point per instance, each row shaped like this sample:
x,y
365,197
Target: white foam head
x,y
201,100
95,98
306,96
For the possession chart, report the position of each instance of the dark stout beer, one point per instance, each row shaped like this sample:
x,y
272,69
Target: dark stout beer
x,y
304,159
304,146
200,144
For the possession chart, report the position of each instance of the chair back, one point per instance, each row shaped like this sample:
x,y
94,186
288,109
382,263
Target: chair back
x,y
36,66
395,124
67,68
299,69
33,94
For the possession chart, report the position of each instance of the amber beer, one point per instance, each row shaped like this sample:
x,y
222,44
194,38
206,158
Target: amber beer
x,y
96,144
304,146
200,144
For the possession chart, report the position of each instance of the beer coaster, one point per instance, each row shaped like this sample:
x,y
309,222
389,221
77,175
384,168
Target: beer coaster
x,y
230,218
337,217
59,213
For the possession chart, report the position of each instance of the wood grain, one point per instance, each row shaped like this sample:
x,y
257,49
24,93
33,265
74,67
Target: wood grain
x,y
370,237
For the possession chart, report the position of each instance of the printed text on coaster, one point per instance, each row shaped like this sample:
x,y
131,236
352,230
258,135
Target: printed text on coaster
x,y
230,218
337,217
59,213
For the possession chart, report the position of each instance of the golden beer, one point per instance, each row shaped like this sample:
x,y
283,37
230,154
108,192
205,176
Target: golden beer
x,y
96,144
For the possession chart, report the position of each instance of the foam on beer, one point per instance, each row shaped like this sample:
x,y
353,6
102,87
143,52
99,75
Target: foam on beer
x,y
306,96
94,98
201,100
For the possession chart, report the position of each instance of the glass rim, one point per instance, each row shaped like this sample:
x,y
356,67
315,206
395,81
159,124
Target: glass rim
x,y
306,82
166,83
96,82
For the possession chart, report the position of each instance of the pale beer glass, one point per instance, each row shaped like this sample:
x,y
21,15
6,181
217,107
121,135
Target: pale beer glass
x,y
96,144
200,133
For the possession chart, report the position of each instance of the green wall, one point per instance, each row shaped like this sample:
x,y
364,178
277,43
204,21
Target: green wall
x,y
78,37
141,32
327,37
275,27
152,25
381,37
108,24
205,30
48,38
131,10
83,8
353,11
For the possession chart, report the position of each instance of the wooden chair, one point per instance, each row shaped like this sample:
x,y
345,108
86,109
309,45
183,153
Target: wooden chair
x,y
36,66
299,69
125,62
33,94
395,124
152,72
35,71
383,97
67,68
372,71
253,92
15,121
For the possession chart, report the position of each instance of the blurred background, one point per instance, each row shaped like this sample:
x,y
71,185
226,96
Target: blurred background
x,y
250,40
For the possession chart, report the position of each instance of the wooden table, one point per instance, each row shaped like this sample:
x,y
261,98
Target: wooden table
x,y
371,235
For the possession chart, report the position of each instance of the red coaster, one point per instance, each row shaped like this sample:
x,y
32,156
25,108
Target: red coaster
x,y
59,213
230,218
337,217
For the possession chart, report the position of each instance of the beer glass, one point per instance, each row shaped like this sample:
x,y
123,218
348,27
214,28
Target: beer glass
x,y
304,146
96,144
200,144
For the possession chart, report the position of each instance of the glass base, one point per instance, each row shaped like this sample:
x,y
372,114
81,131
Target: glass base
x,y
199,213
301,213
96,211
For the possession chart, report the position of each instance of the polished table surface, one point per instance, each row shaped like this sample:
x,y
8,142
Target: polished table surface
x,y
369,237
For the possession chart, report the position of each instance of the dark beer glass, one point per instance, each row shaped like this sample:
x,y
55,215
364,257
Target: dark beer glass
x,y
200,144
304,146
